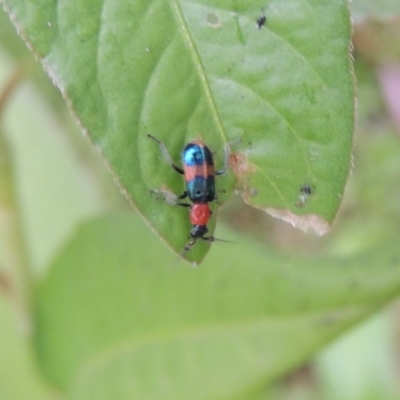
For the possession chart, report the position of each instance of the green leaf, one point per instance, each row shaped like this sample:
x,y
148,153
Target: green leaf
x,y
19,378
56,187
361,365
113,319
182,70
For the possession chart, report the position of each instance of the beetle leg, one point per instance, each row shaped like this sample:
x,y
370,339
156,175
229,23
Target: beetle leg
x,y
183,195
227,152
223,170
171,198
189,245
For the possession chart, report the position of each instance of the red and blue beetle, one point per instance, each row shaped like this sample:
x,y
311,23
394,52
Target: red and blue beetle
x,y
199,172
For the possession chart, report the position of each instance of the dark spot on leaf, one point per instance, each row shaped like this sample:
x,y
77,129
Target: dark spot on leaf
x,y
261,21
213,20
306,189
305,192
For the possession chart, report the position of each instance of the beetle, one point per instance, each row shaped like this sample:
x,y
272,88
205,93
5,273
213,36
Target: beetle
x,y
199,172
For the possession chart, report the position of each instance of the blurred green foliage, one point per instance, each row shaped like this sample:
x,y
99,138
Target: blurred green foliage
x,y
93,306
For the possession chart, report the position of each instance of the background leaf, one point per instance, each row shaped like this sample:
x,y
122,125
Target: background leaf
x,y
19,375
180,70
383,8
51,200
107,323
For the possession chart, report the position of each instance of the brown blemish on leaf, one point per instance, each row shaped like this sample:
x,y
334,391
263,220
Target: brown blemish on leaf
x,y
307,223
242,168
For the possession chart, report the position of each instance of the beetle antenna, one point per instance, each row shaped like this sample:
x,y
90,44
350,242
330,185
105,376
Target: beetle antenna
x,y
166,154
210,239
214,239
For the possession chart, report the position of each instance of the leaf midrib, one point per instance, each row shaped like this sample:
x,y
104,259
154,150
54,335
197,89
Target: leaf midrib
x,y
182,25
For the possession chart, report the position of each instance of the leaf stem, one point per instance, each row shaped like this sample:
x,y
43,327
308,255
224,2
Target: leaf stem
x,y
14,259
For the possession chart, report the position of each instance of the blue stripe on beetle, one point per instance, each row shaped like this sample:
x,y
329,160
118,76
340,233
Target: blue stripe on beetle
x,y
198,168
